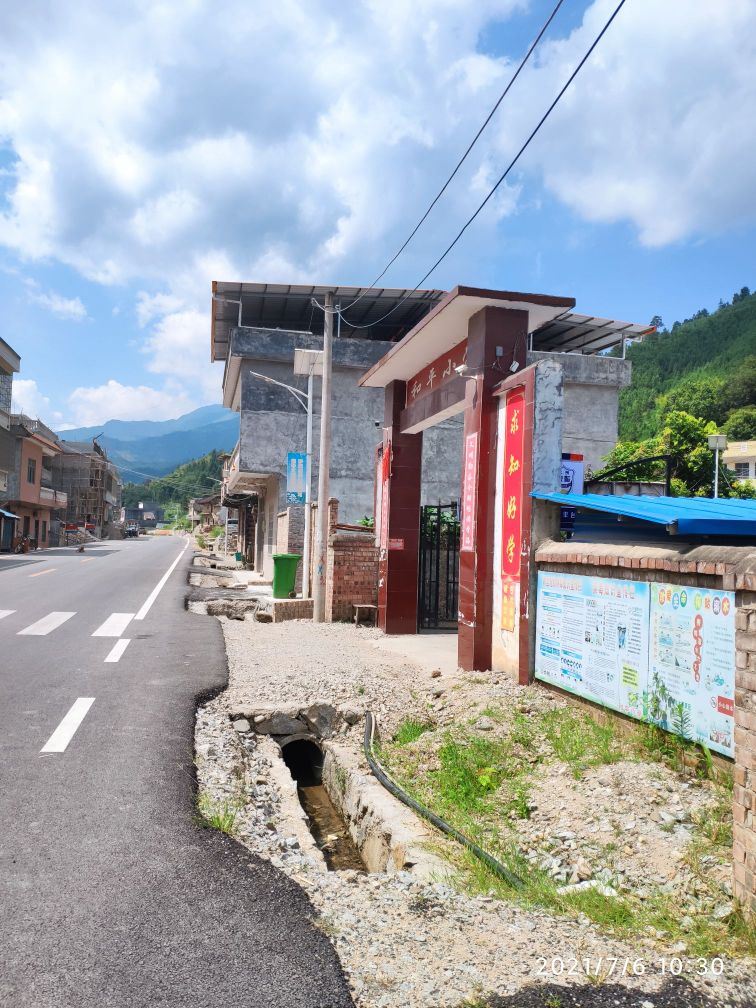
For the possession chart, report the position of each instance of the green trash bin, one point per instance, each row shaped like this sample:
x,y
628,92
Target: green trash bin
x,y
284,574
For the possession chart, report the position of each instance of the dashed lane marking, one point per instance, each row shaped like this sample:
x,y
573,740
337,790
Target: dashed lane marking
x,y
47,570
114,625
46,625
6,612
117,650
58,741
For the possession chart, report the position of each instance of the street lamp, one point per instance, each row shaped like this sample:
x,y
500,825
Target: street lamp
x,y
717,443
310,363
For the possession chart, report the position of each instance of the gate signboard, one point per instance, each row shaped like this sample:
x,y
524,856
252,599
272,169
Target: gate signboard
x,y
511,518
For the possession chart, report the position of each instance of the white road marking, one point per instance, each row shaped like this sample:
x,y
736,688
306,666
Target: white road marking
x,y
158,587
6,612
46,625
114,625
118,648
66,730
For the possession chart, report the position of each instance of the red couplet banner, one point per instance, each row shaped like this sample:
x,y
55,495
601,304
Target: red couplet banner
x,y
511,521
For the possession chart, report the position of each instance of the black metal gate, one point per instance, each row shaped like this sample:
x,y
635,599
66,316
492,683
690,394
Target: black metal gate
x,y
439,567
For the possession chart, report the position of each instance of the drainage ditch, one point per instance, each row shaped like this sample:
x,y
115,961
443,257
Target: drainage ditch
x,y
304,758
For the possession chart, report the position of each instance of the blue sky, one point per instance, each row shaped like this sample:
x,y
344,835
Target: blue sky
x,y
301,143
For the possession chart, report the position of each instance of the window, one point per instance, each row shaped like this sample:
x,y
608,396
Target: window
x,y
742,470
31,471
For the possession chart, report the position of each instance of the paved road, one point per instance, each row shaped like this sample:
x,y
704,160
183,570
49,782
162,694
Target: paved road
x,y
110,894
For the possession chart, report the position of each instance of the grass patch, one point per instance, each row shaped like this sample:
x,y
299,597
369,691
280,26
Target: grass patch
x,y
409,731
217,815
201,542
580,741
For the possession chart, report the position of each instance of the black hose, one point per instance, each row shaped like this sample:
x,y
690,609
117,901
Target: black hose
x,y
380,774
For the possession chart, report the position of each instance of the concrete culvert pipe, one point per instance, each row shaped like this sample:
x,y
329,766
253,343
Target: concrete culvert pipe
x,y
304,759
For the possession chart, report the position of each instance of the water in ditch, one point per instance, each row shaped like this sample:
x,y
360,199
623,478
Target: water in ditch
x,y
305,763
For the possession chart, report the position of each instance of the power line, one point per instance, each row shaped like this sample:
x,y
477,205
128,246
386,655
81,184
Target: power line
x,y
462,160
502,177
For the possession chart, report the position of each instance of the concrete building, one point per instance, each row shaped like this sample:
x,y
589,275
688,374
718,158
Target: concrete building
x,y
740,457
256,328
30,496
93,485
10,363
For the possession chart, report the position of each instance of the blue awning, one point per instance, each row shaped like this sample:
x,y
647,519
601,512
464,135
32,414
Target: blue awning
x,y
7,514
680,515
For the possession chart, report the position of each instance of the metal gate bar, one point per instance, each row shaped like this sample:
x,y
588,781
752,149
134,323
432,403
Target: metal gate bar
x,y
438,584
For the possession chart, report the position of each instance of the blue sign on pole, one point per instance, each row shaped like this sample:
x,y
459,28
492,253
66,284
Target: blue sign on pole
x,y
296,477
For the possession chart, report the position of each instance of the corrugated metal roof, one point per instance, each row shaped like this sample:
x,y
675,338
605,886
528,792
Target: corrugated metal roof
x,y
692,515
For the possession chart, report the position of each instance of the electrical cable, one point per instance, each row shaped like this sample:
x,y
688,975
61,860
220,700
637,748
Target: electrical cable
x,y
395,789
502,177
462,160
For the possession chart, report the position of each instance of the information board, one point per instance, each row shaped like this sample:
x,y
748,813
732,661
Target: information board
x,y
692,663
592,638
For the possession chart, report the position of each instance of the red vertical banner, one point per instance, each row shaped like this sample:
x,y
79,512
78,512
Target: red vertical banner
x,y
511,505
469,496
385,476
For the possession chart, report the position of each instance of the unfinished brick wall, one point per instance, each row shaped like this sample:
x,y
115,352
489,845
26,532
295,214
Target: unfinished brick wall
x,y
744,771
352,575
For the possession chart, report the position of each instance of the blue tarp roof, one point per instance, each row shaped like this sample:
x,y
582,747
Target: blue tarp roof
x,y
7,514
692,515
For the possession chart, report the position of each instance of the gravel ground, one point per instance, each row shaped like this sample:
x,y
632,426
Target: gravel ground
x,y
405,943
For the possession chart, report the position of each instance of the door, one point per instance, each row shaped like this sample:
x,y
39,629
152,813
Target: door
x,y
438,583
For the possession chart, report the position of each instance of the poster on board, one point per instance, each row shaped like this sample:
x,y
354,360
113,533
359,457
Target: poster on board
x,y
691,684
592,638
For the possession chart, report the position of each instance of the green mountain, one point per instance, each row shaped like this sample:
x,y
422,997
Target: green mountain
x,y
143,449
193,479
705,366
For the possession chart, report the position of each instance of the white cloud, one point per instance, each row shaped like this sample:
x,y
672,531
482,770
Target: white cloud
x,y
306,140
28,399
71,309
114,401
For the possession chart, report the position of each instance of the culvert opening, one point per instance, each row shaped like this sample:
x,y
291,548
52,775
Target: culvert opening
x,y
304,758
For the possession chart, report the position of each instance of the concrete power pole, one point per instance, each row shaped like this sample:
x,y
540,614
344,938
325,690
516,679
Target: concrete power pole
x,y
321,550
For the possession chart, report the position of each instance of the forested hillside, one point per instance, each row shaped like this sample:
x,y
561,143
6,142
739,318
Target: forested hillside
x,y
193,479
705,366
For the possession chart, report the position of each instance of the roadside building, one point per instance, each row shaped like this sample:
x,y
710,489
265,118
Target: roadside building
x,y
93,486
204,512
10,363
30,493
740,457
256,329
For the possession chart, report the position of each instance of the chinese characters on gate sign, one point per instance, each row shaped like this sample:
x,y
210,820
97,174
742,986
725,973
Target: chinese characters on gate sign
x,y
469,500
437,373
511,520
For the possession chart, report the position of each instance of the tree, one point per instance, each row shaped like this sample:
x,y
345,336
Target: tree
x,y
741,388
685,437
701,397
657,321
741,424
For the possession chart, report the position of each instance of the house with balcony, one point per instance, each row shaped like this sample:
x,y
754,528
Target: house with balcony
x,y
30,496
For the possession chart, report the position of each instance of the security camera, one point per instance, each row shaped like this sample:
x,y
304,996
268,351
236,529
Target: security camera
x,y
461,369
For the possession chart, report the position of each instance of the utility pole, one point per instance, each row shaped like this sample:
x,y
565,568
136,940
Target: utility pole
x,y
319,580
717,443
308,491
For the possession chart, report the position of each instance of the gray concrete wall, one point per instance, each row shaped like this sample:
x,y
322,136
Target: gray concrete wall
x,y
590,408
272,423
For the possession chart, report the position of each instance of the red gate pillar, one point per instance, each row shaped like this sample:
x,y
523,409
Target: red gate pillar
x,y
400,519
488,329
